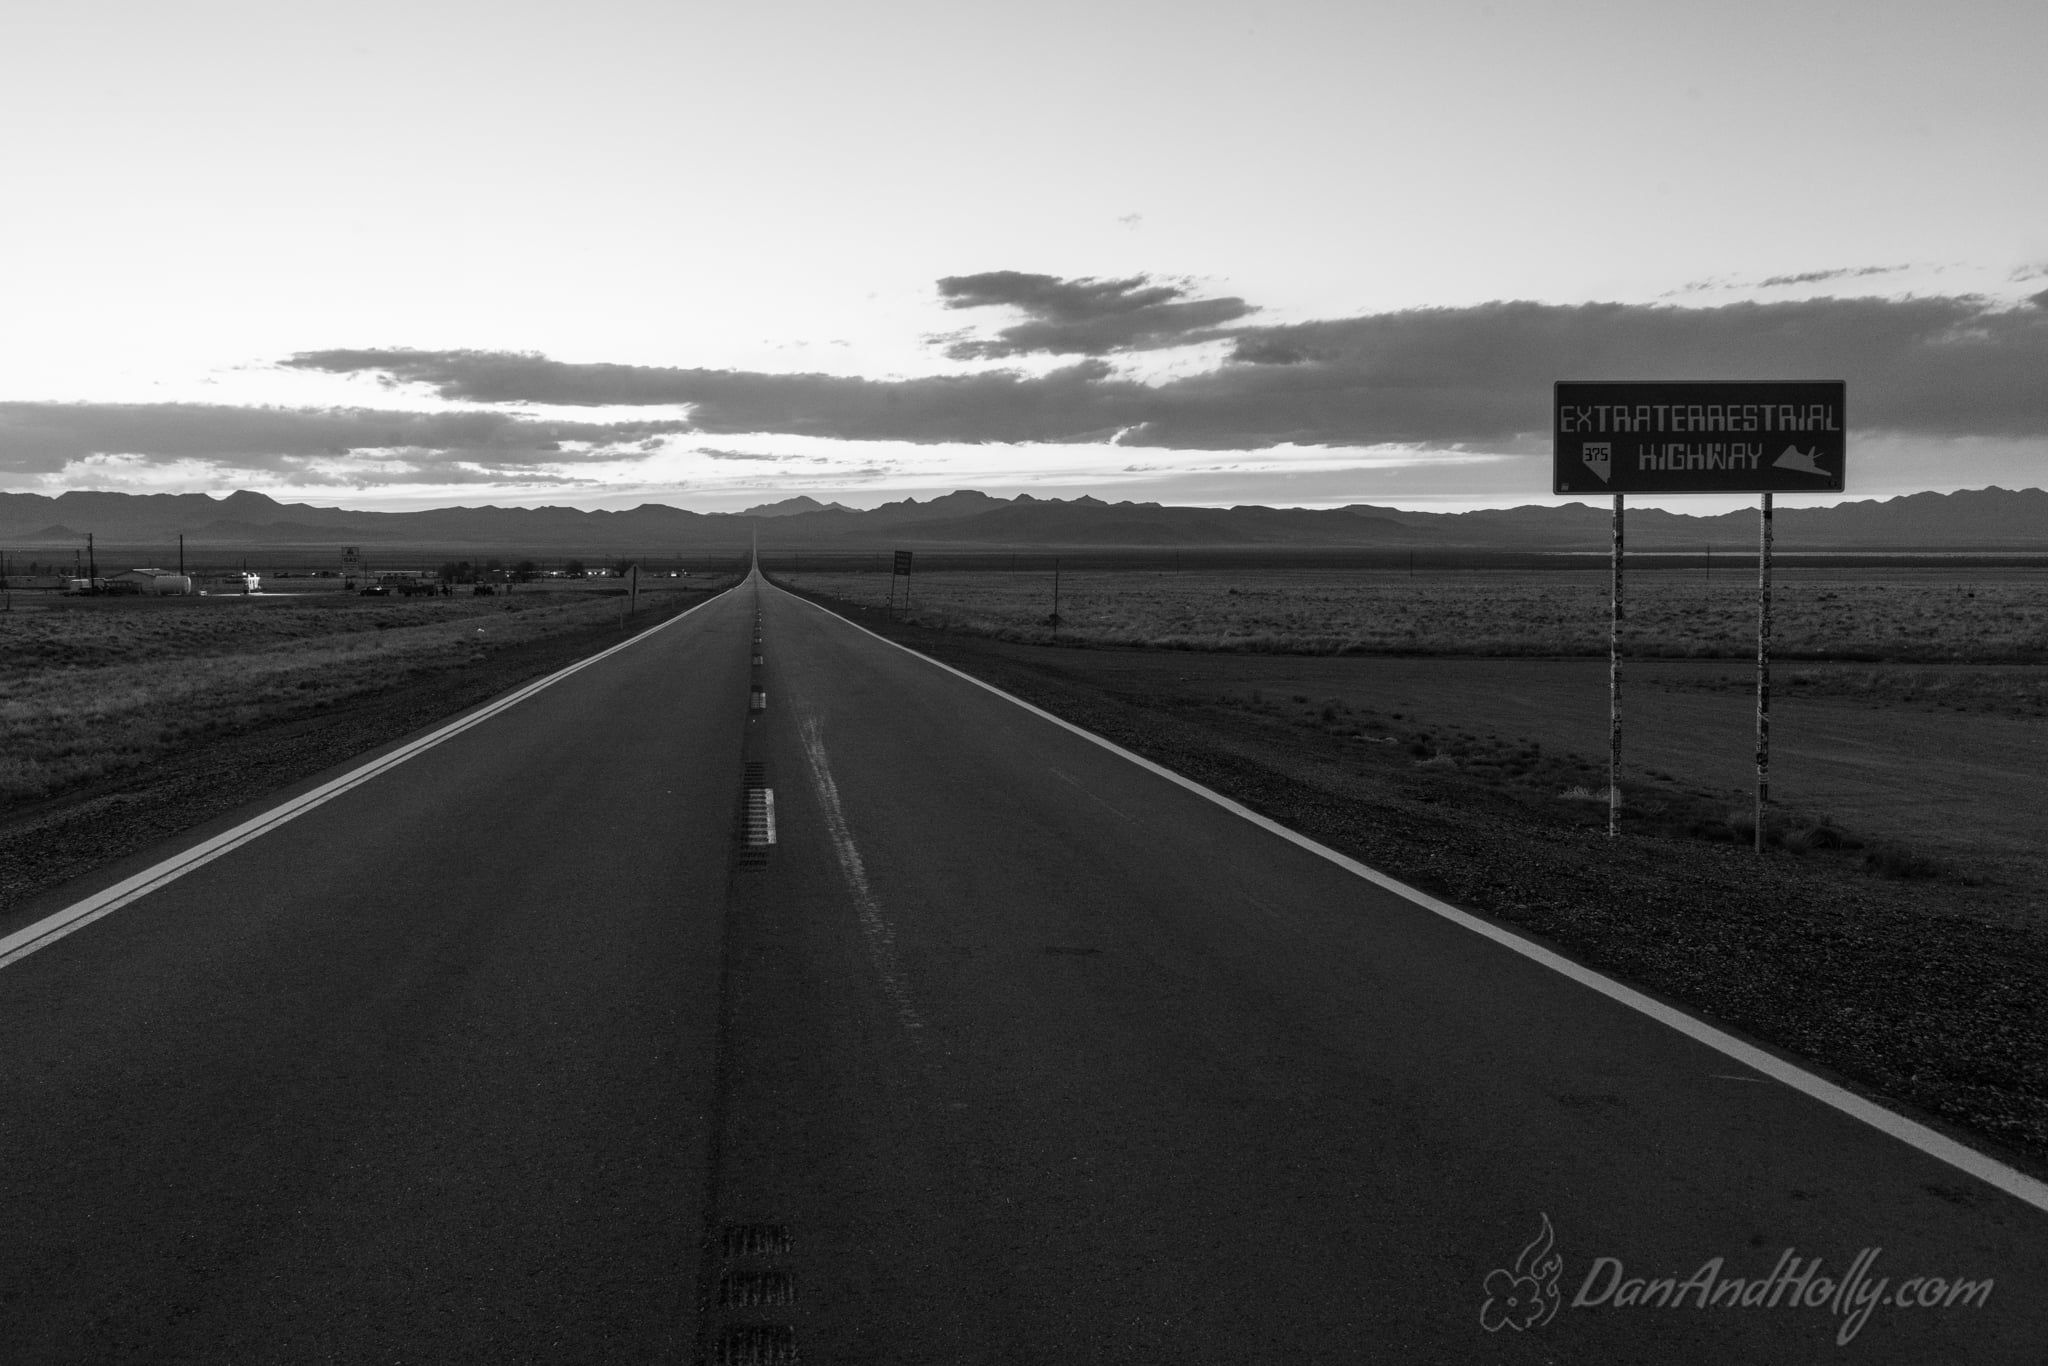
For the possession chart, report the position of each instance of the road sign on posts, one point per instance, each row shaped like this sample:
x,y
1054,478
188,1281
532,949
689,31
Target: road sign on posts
x,y
1617,437
1691,436
902,562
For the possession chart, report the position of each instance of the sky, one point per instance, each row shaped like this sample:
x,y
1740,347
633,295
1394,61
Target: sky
x,y
402,255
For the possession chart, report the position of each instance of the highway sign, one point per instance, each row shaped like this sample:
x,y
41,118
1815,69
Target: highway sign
x,y
1689,436
902,562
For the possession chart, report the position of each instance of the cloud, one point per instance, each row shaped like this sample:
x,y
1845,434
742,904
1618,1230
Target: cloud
x,y
1814,277
1079,402
1728,284
1936,366
43,438
1450,377
1086,317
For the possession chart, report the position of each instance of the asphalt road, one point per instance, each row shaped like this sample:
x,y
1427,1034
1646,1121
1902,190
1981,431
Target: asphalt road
x,y
421,1076
1007,1050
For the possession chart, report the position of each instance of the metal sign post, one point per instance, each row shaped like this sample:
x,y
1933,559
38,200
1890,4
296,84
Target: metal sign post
x,y
1615,613
1763,668
1055,597
901,565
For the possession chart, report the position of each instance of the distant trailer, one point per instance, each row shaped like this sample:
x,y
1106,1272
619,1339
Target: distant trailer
x,y
154,582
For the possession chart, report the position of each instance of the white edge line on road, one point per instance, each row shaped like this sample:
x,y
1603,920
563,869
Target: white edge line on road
x,y
1929,1141
77,916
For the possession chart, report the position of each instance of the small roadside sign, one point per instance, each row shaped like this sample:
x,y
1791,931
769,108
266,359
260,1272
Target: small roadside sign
x,y
902,562
1693,436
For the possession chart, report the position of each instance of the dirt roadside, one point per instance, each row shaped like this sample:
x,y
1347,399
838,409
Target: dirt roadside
x,y
1929,993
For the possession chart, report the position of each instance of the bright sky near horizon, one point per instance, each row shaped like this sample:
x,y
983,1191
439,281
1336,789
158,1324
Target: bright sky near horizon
x,y
398,255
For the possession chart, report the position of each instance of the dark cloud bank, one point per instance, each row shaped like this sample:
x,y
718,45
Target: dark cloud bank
x,y
1085,317
1929,367
44,437
1476,376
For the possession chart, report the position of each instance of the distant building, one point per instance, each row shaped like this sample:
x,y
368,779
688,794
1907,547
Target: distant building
x,y
156,582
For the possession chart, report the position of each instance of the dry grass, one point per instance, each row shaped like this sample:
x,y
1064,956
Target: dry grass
x,y
1901,616
86,691
2017,691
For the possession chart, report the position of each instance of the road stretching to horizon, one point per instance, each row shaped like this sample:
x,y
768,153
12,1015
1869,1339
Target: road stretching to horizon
x,y
531,1048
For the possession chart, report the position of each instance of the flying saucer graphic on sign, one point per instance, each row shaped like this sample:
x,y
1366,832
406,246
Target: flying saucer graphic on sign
x,y
1803,461
1691,436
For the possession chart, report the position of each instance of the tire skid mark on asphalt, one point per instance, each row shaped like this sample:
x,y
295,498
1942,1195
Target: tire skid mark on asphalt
x,y
876,931
51,928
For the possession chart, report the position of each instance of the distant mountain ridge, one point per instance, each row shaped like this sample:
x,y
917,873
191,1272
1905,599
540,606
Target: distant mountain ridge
x,y
789,507
1974,519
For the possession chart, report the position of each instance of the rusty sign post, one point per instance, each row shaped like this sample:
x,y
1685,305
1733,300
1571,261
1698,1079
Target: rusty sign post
x,y
1690,436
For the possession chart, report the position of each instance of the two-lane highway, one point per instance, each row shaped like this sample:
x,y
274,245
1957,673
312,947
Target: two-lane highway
x,y
1008,1049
